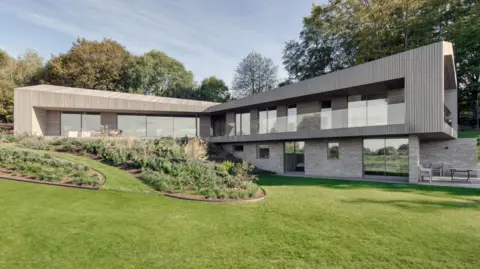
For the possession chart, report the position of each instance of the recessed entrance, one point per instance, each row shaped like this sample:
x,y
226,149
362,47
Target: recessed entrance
x,y
294,156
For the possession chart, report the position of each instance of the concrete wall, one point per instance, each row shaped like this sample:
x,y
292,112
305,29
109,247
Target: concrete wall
x,y
349,165
459,153
274,163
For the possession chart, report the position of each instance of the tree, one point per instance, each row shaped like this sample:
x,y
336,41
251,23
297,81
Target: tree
x,y
214,90
156,73
99,65
19,72
254,74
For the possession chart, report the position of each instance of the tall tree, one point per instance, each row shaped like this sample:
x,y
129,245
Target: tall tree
x,y
213,89
253,75
99,65
156,73
16,72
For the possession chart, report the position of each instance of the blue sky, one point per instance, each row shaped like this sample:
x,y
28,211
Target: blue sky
x,y
209,36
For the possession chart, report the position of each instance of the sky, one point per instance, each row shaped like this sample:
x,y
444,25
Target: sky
x,y
210,37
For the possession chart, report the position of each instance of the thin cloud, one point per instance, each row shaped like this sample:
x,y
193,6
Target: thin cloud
x,y
210,37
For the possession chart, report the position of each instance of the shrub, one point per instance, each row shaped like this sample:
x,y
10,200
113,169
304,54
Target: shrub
x,y
229,166
196,149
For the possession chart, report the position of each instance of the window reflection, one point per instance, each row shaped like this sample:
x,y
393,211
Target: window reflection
x,y
292,118
385,157
71,124
159,126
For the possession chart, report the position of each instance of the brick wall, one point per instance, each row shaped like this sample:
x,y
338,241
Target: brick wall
x,y
349,165
249,154
459,153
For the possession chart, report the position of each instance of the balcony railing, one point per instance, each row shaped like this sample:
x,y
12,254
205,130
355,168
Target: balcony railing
x,y
332,119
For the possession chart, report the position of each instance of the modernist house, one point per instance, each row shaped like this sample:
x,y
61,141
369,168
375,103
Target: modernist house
x,y
378,119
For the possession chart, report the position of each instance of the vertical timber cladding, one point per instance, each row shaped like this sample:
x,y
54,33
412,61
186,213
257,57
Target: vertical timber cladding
x,y
22,111
424,89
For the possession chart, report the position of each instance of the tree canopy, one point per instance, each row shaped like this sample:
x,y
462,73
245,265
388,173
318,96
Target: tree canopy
x,y
254,74
98,65
16,72
156,73
213,89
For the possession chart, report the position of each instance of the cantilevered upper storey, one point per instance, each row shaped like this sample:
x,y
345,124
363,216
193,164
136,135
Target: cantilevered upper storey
x,y
414,92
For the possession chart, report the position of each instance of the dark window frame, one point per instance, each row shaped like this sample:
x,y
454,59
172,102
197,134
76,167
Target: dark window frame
x,y
329,148
261,147
238,148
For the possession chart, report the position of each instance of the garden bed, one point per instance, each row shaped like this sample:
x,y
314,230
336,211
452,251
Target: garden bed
x,y
26,166
174,167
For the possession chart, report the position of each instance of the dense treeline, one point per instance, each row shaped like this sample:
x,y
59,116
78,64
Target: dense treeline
x,y
105,65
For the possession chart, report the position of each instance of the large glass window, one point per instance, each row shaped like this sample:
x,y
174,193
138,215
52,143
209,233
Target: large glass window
x,y
385,157
242,123
357,111
91,123
292,118
246,123
326,115
132,125
238,124
184,126
159,126
294,157
377,109
71,124
267,120
272,120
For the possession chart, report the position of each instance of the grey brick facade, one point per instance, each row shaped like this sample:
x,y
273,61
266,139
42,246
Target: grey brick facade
x,y
249,154
459,153
413,158
349,165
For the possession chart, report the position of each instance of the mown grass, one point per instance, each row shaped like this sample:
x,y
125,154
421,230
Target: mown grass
x,y
469,134
304,223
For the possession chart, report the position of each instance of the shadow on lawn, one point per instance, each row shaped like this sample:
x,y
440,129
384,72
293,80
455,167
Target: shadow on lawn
x,y
422,205
275,180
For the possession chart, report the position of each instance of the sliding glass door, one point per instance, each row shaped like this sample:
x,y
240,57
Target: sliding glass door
x,y
294,156
385,157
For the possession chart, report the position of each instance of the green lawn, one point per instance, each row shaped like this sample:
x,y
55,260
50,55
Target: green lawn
x,y
469,134
304,223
